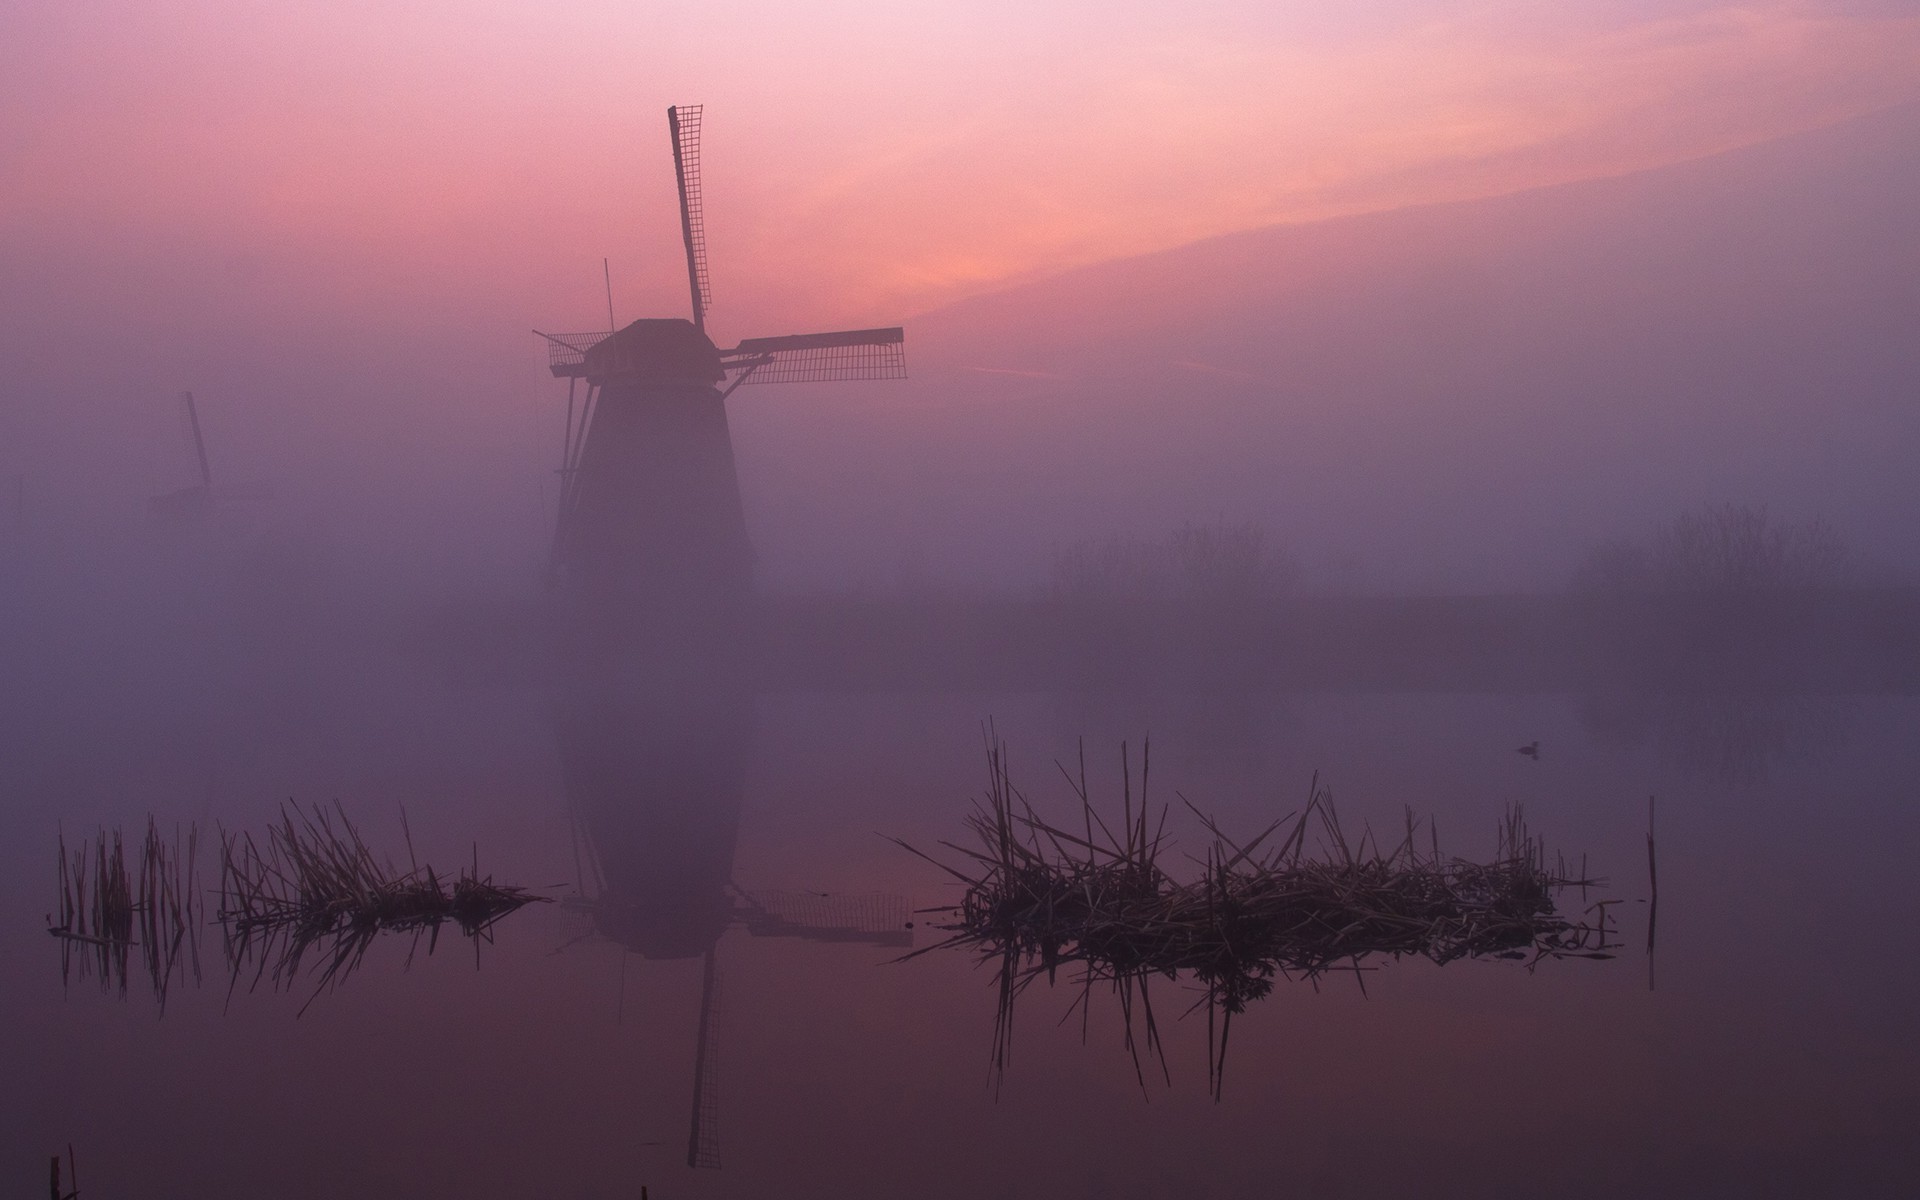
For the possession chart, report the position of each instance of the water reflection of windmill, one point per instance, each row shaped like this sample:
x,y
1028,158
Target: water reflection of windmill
x,y
649,491
872,918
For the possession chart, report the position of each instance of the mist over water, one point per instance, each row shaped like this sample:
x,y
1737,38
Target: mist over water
x,y
1321,498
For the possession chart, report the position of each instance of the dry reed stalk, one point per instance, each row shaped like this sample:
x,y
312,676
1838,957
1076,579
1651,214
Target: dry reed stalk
x,y
1039,897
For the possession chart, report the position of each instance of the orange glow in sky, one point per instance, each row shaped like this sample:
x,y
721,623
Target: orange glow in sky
x,y
863,164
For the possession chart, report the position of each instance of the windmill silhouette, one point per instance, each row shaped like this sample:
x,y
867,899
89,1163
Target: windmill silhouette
x,y
190,501
650,506
196,501
650,545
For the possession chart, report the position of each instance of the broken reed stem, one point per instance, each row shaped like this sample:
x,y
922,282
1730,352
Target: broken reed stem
x,y
1039,897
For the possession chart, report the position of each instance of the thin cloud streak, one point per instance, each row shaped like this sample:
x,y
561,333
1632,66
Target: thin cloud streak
x,y
1205,139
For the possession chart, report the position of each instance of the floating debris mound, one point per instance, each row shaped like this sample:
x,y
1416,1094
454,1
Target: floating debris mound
x,y
1040,897
315,885
107,910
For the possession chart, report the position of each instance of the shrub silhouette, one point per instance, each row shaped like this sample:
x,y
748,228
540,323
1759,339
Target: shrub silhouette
x,y
1725,550
1220,561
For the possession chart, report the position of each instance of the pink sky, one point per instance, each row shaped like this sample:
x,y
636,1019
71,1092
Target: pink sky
x,y
864,162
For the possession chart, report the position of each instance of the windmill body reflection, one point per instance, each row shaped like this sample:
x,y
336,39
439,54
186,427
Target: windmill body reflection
x,y
654,775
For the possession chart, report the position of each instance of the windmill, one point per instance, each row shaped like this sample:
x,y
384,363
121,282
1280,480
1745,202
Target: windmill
x,y
651,543
190,501
196,500
650,509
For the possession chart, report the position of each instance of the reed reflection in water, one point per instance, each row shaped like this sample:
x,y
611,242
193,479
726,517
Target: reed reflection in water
x,y
1040,896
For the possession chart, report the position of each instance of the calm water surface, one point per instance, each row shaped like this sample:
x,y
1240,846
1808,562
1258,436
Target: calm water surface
x,y
1777,1055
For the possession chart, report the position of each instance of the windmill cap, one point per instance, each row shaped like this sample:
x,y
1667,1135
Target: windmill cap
x,y
666,349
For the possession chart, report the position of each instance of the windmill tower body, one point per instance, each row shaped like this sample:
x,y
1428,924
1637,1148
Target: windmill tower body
x,y
655,524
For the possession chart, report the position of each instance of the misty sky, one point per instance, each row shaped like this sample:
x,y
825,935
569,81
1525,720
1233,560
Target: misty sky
x,y
338,222
865,161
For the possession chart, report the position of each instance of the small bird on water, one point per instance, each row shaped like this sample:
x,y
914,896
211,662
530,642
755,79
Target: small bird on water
x,y
1531,750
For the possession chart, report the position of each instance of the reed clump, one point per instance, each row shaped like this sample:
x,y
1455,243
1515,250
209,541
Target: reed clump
x,y
312,886
308,887
1039,897
107,910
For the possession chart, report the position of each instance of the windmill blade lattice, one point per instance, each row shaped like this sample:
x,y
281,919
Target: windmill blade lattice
x,y
567,352
819,357
683,122
703,1132
877,918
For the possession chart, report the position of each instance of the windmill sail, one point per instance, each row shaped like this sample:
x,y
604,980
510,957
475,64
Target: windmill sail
x,y
877,918
800,358
567,352
703,1134
819,357
199,443
683,122
193,500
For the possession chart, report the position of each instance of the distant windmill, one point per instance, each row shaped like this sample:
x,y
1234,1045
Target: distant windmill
x,y
196,500
650,502
192,500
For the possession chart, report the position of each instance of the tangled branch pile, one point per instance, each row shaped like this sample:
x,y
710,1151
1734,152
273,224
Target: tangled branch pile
x,y
1039,897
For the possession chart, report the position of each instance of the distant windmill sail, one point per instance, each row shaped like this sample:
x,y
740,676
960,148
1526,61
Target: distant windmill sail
x,y
199,443
190,501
